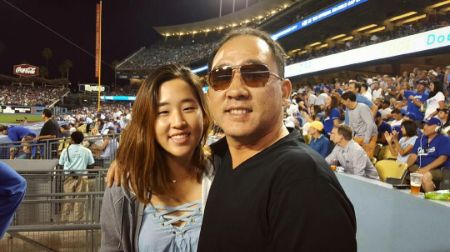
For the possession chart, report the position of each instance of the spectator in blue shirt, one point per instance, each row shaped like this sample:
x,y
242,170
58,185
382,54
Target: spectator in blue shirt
x,y
430,154
16,133
416,99
382,128
12,190
332,114
319,142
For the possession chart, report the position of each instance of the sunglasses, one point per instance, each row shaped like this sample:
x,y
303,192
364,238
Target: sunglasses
x,y
254,75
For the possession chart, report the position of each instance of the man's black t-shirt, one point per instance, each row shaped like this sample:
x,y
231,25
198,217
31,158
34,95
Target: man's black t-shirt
x,y
284,198
50,127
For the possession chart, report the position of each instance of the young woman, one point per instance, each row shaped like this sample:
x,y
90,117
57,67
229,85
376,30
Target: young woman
x,y
166,174
436,99
403,147
332,114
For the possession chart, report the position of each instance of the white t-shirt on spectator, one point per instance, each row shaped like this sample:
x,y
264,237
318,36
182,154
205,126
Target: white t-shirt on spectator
x,y
385,112
293,109
377,94
404,142
433,104
396,123
321,99
312,99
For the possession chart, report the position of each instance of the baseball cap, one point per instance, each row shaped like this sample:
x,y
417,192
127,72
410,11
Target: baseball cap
x,y
316,125
378,114
433,121
424,82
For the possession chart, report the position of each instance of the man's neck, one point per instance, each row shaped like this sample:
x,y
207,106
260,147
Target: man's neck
x,y
241,151
343,143
431,137
352,105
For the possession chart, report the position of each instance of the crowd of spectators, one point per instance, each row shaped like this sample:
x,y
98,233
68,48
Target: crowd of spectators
x,y
361,41
372,125
30,96
183,50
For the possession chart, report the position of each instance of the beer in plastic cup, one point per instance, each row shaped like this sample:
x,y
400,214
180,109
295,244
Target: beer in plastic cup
x,y
416,183
333,167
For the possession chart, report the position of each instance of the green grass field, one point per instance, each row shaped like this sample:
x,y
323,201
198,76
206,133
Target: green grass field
x,y
18,118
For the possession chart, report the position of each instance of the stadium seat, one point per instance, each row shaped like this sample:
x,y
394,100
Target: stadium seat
x,y
385,154
390,169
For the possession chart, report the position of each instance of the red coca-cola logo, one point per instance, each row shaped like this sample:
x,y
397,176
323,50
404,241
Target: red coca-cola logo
x,y
26,70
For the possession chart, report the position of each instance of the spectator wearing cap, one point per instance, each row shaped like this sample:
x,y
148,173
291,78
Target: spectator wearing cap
x,y
397,116
416,99
362,123
436,99
319,142
430,154
349,155
382,127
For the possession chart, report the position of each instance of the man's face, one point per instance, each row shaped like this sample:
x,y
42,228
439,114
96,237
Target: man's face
x,y
398,116
351,87
420,87
334,136
243,112
345,102
429,130
443,114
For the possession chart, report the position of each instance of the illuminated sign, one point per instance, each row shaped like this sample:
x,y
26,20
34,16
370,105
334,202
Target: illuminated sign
x,y
118,98
26,70
424,41
321,15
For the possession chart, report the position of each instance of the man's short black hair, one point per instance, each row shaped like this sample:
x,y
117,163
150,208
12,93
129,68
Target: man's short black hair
x,y
47,113
349,95
3,127
77,137
275,47
396,111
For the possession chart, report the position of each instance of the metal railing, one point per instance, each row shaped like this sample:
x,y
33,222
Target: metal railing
x,y
48,220
52,148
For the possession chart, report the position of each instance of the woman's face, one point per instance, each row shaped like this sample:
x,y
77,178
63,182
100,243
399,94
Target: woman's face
x,y
328,101
403,131
431,86
179,121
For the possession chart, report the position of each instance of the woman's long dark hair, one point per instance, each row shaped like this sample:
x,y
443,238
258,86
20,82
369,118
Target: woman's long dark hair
x,y
438,87
140,158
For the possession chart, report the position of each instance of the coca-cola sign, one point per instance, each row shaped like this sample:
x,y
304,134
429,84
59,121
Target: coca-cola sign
x,y
26,70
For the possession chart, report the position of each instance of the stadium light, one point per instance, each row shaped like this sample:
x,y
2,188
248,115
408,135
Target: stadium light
x,y
402,16
313,44
259,17
446,9
413,19
382,28
365,27
346,39
437,5
338,36
322,46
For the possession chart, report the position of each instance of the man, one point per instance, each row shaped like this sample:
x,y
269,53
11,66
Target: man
x,y
50,130
365,91
362,122
416,99
16,133
319,142
382,127
75,158
397,115
354,87
270,192
386,109
349,154
430,154
19,134
12,190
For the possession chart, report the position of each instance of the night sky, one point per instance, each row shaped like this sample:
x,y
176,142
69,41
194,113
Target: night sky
x,y
127,26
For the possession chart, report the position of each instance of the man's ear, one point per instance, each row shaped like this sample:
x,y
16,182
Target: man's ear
x,y
286,88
